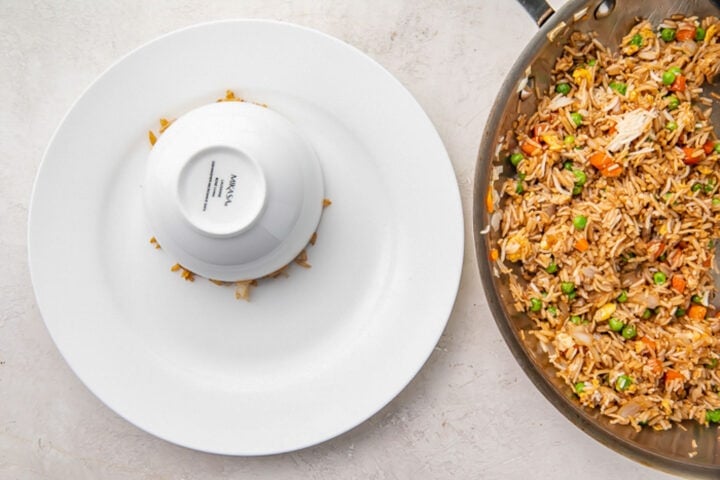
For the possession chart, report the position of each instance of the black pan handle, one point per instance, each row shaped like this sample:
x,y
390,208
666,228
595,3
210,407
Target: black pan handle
x,y
539,10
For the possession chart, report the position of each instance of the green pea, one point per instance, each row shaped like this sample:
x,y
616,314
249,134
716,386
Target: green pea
x,y
519,189
576,319
636,40
713,416
615,324
700,34
623,297
577,190
567,287
568,165
667,34
576,118
715,201
562,88
696,187
696,299
622,383
579,387
580,177
712,364
668,78
629,332
592,62
535,305
552,268
659,278
516,158
552,310
569,139
580,222
716,148
708,187
672,126
646,314
619,87
679,312
673,102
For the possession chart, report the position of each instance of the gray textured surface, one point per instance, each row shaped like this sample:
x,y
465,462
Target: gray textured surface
x,y
470,413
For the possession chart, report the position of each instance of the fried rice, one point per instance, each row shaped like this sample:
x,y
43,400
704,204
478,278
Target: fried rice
x,y
607,228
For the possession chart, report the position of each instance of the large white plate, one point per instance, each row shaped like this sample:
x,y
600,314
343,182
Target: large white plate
x,y
310,356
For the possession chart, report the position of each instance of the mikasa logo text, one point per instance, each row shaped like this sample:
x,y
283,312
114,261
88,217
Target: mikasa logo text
x,y
230,191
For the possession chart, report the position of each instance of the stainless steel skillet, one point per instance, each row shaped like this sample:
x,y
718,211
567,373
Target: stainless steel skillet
x,y
691,450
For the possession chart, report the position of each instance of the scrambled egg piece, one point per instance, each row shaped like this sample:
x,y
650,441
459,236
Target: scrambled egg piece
x,y
711,32
580,73
605,312
517,248
564,341
552,141
548,241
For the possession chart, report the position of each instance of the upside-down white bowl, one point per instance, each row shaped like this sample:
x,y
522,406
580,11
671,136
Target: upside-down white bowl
x,y
233,191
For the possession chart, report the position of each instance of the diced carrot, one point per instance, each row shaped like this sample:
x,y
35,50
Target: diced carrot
x,y
678,283
685,34
605,163
709,147
649,342
531,147
494,254
655,248
600,160
671,375
697,312
612,130
692,155
656,366
582,245
489,201
612,170
679,84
